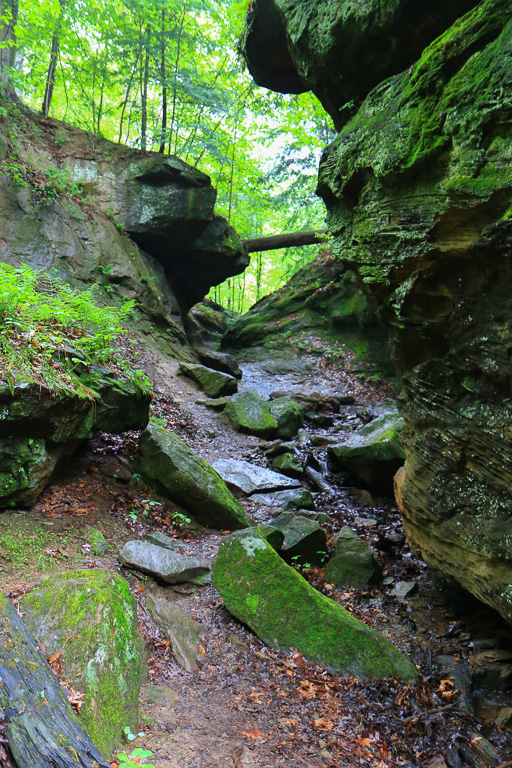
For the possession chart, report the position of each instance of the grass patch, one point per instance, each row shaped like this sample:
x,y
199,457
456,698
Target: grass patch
x,y
50,333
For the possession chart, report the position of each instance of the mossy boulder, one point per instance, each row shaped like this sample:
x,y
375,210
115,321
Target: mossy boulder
x,y
304,539
170,466
354,563
213,383
90,617
250,413
374,453
279,605
289,464
288,415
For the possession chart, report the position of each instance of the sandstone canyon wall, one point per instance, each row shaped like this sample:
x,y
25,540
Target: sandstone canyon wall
x,y
418,187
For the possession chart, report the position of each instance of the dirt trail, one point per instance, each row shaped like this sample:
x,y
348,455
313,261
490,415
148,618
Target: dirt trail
x,y
248,706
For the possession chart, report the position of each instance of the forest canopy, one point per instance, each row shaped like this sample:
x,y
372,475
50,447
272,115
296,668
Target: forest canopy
x,y
165,75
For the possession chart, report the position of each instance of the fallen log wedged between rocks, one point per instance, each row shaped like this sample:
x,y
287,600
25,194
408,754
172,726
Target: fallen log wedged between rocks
x,y
42,729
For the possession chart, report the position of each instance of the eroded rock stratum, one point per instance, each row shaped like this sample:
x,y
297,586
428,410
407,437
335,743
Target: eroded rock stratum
x,y
418,186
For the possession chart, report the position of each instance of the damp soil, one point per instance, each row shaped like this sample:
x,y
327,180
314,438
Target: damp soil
x,y
247,705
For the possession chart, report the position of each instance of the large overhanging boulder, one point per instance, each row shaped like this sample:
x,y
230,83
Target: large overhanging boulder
x,y
339,50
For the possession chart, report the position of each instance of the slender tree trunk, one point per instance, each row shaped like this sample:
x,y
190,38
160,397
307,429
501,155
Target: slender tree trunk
x,y
259,274
127,95
144,92
93,100
8,8
100,106
175,82
164,85
54,57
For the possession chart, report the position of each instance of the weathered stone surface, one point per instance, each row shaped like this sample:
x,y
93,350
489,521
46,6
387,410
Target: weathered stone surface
x,y
248,479
431,149
289,499
323,299
339,50
280,606
90,617
38,427
168,464
182,631
213,383
353,563
248,412
373,454
161,540
220,361
288,415
165,564
304,539
289,464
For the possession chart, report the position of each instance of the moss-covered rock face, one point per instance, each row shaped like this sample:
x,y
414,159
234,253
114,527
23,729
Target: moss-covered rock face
x,y
339,50
419,191
288,415
323,299
91,618
281,607
248,412
38,427
170,466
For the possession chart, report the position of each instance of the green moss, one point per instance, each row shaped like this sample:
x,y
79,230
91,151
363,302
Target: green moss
x,y
90,616
285,611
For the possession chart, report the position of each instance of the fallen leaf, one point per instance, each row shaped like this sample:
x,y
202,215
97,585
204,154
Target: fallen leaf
x,y
254,735
54,657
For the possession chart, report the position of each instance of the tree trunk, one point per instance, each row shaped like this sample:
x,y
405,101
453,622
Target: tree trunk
x,y
144,93
291,240
8,8
175,84
127,96
42,729
164,85
52,67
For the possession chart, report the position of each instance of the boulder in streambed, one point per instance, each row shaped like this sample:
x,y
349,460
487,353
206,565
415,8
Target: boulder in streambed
x,y
250,413
213,383
246,479
90,618
169,465
304,539
288,415
374,453
182,631
354,563
279,605
289,464
289,499
219,361
164,564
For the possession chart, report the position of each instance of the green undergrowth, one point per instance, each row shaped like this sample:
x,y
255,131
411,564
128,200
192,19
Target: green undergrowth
x,y
50,333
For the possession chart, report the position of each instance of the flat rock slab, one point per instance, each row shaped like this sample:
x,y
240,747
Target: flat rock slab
x,y
166,542
164,564
279,605
246,478
213,383
183,633
289,499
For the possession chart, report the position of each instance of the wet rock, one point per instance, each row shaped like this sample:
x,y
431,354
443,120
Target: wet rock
x,y
97,540
304,539
318,479
288,416
216,404
164,564
289,464
161,540
373,454
403,589
289,499
178,626
504,718
115,467
249,479
90,617
250,413
365,522
213,383
354,563
280,606
220,361
170,466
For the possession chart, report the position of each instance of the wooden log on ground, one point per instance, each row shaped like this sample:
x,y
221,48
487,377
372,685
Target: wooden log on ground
x,y
42,729
290,240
